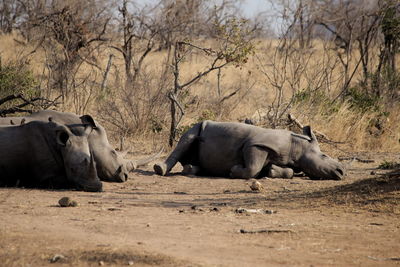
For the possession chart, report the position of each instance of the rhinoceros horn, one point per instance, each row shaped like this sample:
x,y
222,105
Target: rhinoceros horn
x,y
93,183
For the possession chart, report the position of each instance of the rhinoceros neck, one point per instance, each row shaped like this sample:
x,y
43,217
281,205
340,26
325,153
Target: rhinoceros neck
x,y
297,148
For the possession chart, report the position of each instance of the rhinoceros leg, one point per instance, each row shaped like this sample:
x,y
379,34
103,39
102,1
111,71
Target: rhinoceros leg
x,y
274,171
186,151
254,160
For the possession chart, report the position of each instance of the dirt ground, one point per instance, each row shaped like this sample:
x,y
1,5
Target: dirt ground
x,y
194,221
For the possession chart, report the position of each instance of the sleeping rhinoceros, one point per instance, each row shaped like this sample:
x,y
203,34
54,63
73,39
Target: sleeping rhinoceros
x,y
47,154
240,150
111,166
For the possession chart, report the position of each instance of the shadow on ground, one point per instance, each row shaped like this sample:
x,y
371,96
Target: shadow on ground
x,y
383,189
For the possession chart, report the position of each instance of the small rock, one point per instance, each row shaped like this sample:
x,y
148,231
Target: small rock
x,y
67,202
196,208
101,263
373,172
64,201
56,258
148,225
214,209
130,262
256,186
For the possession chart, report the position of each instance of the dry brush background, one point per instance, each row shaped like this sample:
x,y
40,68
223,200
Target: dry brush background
x,y
148,72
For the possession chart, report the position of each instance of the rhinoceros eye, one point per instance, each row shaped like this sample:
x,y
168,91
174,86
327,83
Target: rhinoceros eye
x,y
324,156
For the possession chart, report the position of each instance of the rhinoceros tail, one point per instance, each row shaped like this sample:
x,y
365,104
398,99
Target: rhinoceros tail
x,y
133,164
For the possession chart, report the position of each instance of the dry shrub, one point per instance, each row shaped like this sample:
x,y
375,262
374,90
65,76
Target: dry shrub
x,y
139,114
235,101
136,111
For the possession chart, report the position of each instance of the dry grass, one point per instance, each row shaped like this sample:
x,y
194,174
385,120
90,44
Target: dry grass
x,y
256,92
356,130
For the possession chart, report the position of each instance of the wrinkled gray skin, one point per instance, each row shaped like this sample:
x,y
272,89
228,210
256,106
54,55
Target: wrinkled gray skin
x,y
110,164
47,155
240,150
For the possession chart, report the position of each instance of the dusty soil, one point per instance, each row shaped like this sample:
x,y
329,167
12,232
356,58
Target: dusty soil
x,y
192,221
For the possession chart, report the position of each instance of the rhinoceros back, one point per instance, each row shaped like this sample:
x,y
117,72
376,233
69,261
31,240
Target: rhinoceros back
x,y
222,145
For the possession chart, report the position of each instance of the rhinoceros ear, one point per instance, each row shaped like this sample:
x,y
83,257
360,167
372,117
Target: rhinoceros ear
x,y
308,132
87,119
62,137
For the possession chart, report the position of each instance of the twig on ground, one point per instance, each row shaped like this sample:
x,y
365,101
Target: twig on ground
x,y
267,231
384,259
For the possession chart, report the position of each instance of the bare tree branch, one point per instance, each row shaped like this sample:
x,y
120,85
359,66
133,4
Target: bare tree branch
x,y
34,102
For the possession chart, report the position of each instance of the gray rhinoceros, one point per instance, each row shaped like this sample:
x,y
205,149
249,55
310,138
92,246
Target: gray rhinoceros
x,y
47,154
240,150
111,166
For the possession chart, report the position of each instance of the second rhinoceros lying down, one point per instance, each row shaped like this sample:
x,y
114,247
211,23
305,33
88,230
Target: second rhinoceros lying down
x,y
239,150
47,155
111,166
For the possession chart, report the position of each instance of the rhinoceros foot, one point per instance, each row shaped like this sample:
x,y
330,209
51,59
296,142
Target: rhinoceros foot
x,y
278,172
190,169
160,168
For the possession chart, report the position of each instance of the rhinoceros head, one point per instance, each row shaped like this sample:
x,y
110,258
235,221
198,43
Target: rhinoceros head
x,y
78,163
317,165
111,165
